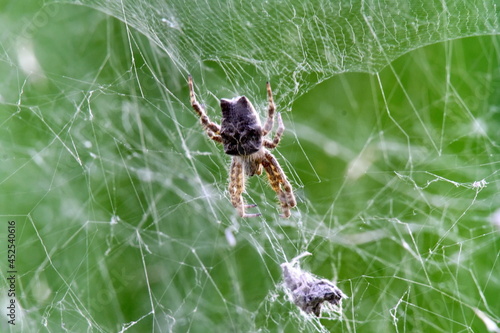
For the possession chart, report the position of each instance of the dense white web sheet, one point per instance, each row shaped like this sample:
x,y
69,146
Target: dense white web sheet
x,y
122,202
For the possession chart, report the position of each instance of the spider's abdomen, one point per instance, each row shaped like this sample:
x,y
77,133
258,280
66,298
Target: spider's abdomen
x,y
241,131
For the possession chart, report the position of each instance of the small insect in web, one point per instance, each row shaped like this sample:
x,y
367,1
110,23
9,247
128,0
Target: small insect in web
x,y
307,291
243,138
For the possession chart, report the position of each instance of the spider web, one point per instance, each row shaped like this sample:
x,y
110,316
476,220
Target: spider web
x,y
124,222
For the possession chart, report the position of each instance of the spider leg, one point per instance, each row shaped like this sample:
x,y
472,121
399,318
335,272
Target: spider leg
x,y
213,136
237,187
211,128
277,136
270,113
279,183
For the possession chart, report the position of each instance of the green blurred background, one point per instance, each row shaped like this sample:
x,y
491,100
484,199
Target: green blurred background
x,y
123,217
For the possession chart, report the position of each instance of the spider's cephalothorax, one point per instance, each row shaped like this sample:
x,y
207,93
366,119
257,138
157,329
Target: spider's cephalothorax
x,y
242,135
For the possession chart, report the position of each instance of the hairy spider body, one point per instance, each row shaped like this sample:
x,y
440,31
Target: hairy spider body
x,y
241,131
242,136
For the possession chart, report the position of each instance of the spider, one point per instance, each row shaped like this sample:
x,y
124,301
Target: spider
x,y
242,136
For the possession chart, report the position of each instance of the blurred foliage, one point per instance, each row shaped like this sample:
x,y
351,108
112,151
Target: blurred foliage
x,y
121,200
